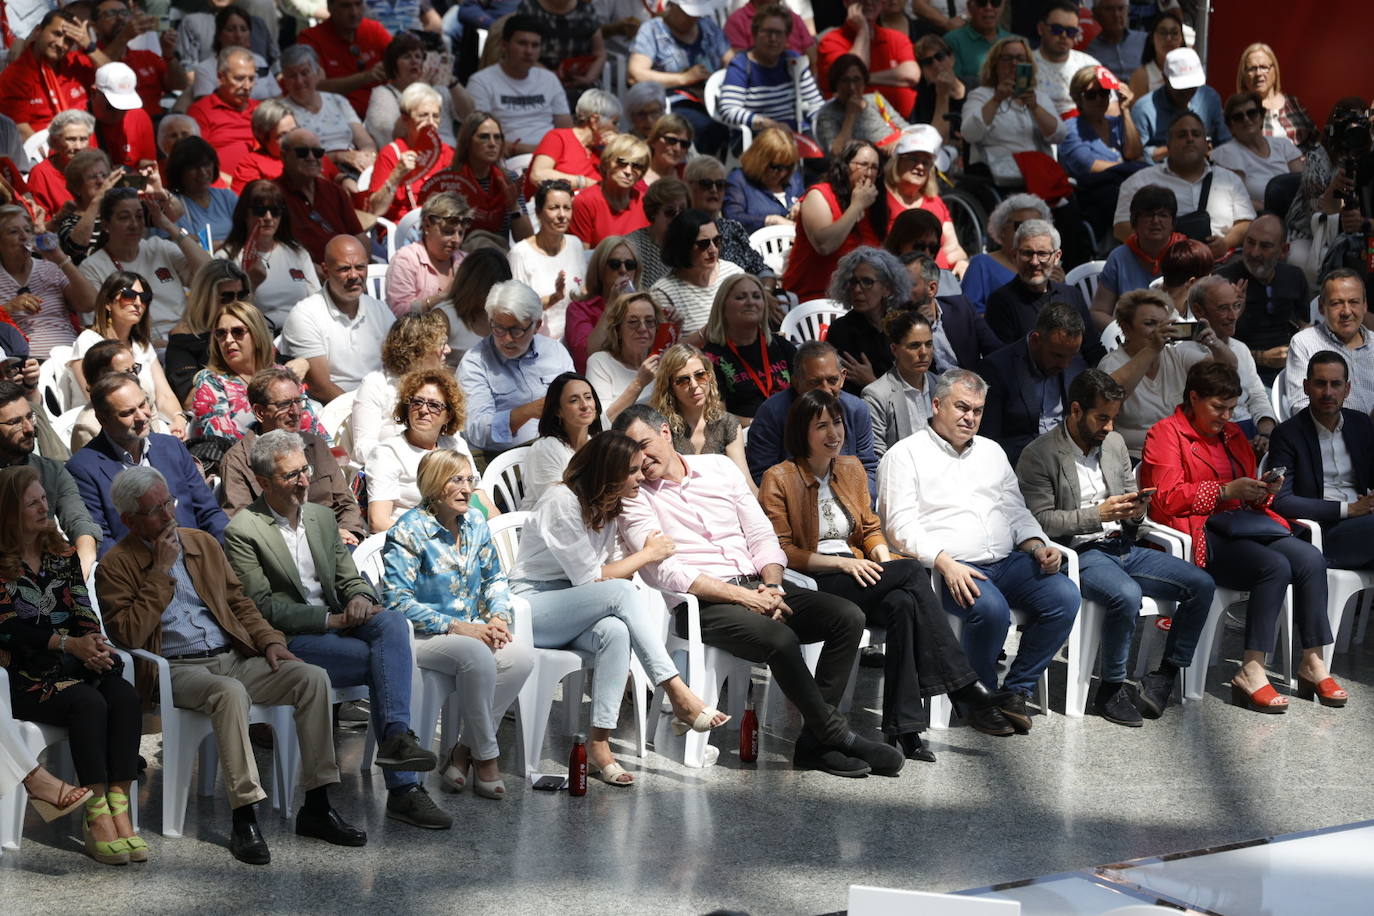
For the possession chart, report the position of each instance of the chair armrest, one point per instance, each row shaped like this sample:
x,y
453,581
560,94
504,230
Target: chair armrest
x,y
1315,528
164,676
1171,539
800,580
1070,559
523,620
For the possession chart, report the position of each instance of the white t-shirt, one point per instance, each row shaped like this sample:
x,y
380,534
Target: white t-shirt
x,y
291,277
352,346
526,108
374,414
163,266
1227,203
1257,171
610,377
540,273
544,465
1153,398
1053,79
333,124
394,469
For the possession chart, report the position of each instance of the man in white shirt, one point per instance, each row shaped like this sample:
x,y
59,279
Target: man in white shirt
x,y
340,329
1341,328
949,498
1056,60
1215,300
528,100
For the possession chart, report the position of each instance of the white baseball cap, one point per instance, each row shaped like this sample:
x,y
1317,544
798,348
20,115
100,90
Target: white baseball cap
x,y
1183,69
919,138
696,7
118,83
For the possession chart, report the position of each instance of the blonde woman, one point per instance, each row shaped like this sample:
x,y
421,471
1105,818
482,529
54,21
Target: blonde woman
x,y
999,122
622,370
685,393
1284,115
750,361
188,343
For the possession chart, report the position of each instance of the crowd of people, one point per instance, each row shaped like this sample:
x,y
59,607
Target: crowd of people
x,y
311,295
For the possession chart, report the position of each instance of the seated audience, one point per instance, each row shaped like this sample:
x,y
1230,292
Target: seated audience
x,y
416,341
1284,115
960,335
940,94
294,566
1342,305
1166,34
225,115
854,112
837,216
103,358
994,269
679,50
420,275
157,71
1216,301
1078,482
572,415
886,53
62,670
1100,151
737,327
552,262
727,555
350,46
498,207
570,153
338,331
615,205
971,41
51,74
767,188
195,36
999,122
670,142
169,589
573,45
769,85
271,122
527,100
1138,263
696,270
622,370
1257,159
687,394
68,134
949,499
263,244
1276,294
400,173
1324,195
1205,473
645,104
1118,46
739,31
1183,264
442,571
1012,310
614,267
218,283
899,401
192,170
403,63
465,307
869,283
320,210
1056,59
705,178
911,183
1184,90
328,115
232,29
41,295
665,200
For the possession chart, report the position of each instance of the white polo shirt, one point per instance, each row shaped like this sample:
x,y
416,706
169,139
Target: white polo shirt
x,y
353,346
1227,203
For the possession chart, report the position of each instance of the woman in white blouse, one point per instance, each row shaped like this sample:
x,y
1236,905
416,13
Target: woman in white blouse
x,y
551,262
572,415
622,370
1000,122
691,252
262,243
581,598
416,341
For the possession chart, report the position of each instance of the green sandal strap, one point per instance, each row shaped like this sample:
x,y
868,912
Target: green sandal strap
x,y
98,806
119,802
135,842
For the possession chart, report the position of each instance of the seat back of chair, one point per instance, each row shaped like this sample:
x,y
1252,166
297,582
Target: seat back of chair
x,y
504,478
810,320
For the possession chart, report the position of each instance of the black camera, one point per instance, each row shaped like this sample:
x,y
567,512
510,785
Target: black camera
x,y
1349,140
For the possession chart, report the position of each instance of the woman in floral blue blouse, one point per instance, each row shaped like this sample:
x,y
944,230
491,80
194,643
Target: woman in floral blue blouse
x,y
441,571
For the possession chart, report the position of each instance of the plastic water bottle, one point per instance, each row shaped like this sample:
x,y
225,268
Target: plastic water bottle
x,y
577,767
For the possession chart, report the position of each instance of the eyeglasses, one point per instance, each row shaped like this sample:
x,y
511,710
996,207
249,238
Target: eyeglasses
x,y
297,474
773,33
984,2
170,507
1096,95
638,167
710,184
641,324
1247,114
865,282
1013,58
427,405
1064,31
700,377
930,248
681,142
1028,254
629,264
305,152
238,333
286,403
18,421
781,166
1259,68
488,137
451,224
271,210
462,480
513,333
227,296
1156,215
129,294
703,244
939,57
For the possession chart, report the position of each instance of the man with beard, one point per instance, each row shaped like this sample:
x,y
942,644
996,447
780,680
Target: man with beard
x,y
1276,294
1078,483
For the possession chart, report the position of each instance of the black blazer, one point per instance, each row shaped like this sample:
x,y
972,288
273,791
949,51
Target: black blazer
x,y
967,332
1011,416
1293,445
1012,310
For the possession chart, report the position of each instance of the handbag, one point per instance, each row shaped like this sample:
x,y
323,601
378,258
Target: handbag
x,y
1246,523
1198,224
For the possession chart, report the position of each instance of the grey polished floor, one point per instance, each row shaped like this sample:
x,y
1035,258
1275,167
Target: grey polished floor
x,y
762,838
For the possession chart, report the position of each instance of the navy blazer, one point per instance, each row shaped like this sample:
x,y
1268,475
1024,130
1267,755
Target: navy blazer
x,y
749,204
1012,310
764,447
1011,416
1293,445
96,465
968,334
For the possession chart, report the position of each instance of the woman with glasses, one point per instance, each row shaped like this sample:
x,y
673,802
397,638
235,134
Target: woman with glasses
x,y
767,188
89,178
262,243
442,571
1257,158
416,341
685,392
572,415
645,103
940,93
838,215
691,251
407,162
192,169
188,345
420,275
551,262
670,142
663,202
999,122
869,282
912,184
995,269
69,132
581,596
705,178
41,295
622,370
430,409
1284,115
570,153
240,347
852,113
615,206
1165,35
1100,151
327,115
1137,263
613,268
498,206
121,313
770,85
751,362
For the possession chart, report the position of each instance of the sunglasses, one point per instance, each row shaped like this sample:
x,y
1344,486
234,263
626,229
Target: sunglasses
x,y
984,2
1096,95
129,294
939,57
238,333
677,141
490,138
710,184
781,166
703,244
633,166
700,377
272,210
305,152
451,224
629,264
865,282
1248,114
227,296
1064,31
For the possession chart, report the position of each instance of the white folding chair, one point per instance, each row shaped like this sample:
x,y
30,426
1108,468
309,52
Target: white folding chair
x,y
1342,585
36,147
1278,395
376,279
772,243
710,96
810,320
504,478
1085,277
51,391
384,227
63,426
408,228
334,414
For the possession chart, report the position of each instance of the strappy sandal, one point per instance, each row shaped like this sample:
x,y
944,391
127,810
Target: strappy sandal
x,y
702,723
119,804
69,798
106,852
611,774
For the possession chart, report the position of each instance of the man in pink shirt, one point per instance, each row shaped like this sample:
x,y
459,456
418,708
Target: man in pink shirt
x,y
728,556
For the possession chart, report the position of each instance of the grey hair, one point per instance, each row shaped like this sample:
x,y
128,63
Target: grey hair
x,y
951,377
1197,295
930,271
702,167
298,54
266,117
131,484
1034,229
229,53
641,94
515,299
68,117
1059,317
417,93
597,102
164,127
1010,205
262,457
812,349
641,412
890,273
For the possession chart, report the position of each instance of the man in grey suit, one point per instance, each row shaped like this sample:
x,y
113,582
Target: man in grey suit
x,y
1078,483
899,401
289,555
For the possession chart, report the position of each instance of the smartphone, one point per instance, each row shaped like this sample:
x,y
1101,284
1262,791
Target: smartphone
x,y
1184,330
1145,493
1274,474
549,783
133,180
1024,80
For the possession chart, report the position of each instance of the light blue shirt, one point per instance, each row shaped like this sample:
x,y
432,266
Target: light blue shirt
x,y
495,385
1122,58
1082,147
1123,271
187,624
220,215
1155,112
436,579
668,55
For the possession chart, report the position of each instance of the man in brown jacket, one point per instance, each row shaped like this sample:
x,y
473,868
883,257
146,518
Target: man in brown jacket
x,y
171,591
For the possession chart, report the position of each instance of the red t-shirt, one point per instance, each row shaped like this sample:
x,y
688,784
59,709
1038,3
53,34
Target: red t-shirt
x,y
313,225
229,130
256,164
935,205
408,193
151,71
32,92
129,142
889,48
344,58
808,272
592,219
569,157
49,187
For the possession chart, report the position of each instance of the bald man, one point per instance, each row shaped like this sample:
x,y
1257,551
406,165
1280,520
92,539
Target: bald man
x,y
320,209
340,329
1277,297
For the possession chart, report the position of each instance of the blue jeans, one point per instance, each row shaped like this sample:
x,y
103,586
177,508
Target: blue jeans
x,y
476,16
1050,601
1118,582
607,619
1349,543
376,653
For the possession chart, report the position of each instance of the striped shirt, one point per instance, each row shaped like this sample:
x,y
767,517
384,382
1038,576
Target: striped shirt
x,y
51,325
752,91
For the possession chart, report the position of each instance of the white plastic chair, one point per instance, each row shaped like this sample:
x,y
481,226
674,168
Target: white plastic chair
x,y
1341,586
504,478
365,179
1084,277
710,96
772,243
63,426
810,320
376,280
1314,309
408,229
1278,395
387,227
613,74
36,147
1111,336
334,414
50,387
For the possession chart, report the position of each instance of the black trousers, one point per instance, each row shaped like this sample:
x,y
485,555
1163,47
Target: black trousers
x,y
816,617
922,656
104,718
1266,571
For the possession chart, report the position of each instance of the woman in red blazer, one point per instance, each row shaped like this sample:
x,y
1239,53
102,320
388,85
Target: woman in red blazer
x,y
1204,467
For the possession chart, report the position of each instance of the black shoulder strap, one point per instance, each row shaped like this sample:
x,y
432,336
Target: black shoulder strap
x,y
1206,190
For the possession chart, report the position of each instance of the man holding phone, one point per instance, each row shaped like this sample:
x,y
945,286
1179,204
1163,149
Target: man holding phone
x,y
1078,483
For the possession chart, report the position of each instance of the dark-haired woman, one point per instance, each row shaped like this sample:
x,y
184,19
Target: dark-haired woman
x,y
819,505
192,169
582,600
691,252
498,206
837,216
572,415
277,264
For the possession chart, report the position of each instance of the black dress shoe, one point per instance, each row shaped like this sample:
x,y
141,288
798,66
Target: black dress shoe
x,y
247,845
1155,690
912,747
1015,711
990,721
1119,708
881,759
330,827
810,754
872,657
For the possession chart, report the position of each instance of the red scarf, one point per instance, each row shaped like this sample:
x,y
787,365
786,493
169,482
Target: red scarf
x,y
1153,262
